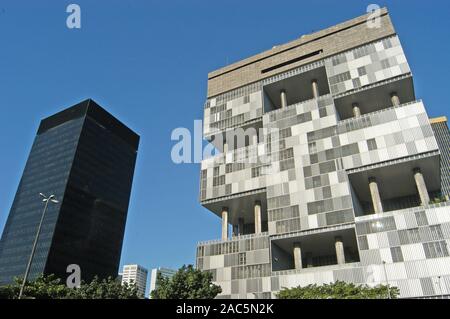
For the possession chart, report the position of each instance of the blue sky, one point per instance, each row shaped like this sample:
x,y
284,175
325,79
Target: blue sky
x,y
147,62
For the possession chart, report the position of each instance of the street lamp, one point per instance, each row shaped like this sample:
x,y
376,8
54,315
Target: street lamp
x,y
46,200
387,282
440,287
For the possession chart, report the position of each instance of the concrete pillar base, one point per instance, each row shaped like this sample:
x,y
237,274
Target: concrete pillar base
x,y
283,99
421,187
375,194
225,147
258,217
255,139
340,255
224,223
298,256
315,89
395,99
356,110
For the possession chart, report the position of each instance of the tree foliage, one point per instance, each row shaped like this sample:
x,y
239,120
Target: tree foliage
x,y
338,290
109,288
51,287
187,283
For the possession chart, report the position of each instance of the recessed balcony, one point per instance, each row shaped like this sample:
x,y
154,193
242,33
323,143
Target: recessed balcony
x,y
395,185
336,247
375,97
296,89
246,213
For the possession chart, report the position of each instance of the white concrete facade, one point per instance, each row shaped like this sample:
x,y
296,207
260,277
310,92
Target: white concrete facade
x,y
333,173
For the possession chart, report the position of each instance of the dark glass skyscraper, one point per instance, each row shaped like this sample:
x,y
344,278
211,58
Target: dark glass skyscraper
x,y
86,158
442,134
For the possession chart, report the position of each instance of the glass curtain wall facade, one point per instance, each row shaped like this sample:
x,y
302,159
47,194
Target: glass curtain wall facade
x,y
440,128
86,158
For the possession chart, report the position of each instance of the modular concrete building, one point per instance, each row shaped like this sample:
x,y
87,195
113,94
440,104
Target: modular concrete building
x,y
342,179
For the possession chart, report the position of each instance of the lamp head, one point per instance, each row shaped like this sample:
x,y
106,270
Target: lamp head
x,y
51,198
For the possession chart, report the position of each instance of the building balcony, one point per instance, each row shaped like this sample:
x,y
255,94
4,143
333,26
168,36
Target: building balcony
x,y
246,213
375,97
314,249
316,269
376,217
403,183
387,135
376,117
296,89
232,239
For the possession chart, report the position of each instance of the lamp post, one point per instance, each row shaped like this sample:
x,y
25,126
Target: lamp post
x,y
440,287
387,282
46,200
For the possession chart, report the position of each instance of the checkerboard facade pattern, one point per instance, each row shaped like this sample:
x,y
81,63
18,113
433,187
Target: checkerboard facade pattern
x,y
306,183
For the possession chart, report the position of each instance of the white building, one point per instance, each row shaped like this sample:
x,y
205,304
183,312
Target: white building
x,y
135,274
340,176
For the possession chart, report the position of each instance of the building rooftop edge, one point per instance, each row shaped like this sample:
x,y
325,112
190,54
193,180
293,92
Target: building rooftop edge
x,y
297,42
90,108
438,119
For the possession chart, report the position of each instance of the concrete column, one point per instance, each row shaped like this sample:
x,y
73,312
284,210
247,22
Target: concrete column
x,y
421,187
309,260
315,89
241,226
257,217
395,99
224,223
356,110
283,99
376,198
255,139
340,255
298,256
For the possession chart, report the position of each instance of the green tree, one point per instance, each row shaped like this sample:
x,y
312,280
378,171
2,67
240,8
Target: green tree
x,y
338,290
43,287
50,287
109,288
7,292
187,283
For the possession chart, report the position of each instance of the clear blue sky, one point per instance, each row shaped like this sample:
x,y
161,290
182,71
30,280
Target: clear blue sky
x,y
147,63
